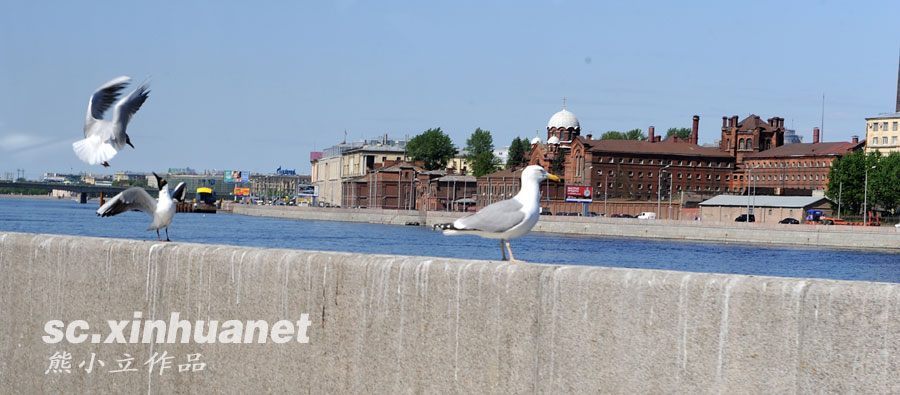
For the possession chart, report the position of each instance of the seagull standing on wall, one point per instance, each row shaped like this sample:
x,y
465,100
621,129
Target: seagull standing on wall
x,y
161,210
506,219
104,138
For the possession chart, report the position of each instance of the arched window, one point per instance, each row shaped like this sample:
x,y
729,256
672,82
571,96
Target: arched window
x,y
750,143
741,144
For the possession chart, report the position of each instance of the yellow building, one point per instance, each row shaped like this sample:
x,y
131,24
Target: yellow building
x,y
883,133
350,160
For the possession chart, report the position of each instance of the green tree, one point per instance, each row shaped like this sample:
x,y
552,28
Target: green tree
x,y
633,134
884,183
612,135
681,133
433,147
847,181
480,149
519,151
516,154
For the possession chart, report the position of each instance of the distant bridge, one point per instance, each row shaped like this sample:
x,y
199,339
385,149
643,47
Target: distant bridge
x,y
84,190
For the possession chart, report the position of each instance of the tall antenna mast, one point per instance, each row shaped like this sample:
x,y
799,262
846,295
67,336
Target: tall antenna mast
x,y
897,109
822,122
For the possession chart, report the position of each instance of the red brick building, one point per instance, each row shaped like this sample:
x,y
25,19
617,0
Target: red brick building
x,y
795,169
395,186
620,170
451,193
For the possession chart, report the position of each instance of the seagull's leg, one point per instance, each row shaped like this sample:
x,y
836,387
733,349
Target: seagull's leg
x,y
158,236
167,234
509,248
503,249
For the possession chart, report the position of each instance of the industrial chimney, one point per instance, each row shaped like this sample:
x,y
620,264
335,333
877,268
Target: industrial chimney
x,y
855,139
695,129
651,134
815,135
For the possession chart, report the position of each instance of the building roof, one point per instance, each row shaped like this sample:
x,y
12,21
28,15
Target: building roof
x,y
754,122
807,149
764,201
457,178
659,148
885,116
563,119
508,173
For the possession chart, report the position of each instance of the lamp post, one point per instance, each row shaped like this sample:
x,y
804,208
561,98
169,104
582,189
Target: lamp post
x,y
866,197
605,190
749,171
659,188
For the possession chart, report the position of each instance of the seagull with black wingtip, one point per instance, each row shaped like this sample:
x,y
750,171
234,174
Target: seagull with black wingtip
x,y
104,138
162,210
506,219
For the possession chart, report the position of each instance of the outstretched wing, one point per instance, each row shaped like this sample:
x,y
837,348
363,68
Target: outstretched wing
x,y
128,106
495,218
103,98
131,199
180,192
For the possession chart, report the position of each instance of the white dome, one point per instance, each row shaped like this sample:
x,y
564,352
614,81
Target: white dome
x,y
536,140
563,119
553,140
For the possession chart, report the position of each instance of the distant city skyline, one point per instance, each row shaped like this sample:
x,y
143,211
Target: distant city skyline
x,y
255,87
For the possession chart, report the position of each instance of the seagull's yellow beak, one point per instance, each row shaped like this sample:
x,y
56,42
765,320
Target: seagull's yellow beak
x,y
552,177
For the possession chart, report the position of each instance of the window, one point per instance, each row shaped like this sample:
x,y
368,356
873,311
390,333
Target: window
x,y
599,172
874,140
894,126
874,126
884,126
884,140
894,140
640,174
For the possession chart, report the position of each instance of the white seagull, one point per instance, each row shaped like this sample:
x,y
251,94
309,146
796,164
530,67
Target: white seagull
x,y
137,199
104,138
506,219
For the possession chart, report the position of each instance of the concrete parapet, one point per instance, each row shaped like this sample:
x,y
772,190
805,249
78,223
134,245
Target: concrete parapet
x,y
388,324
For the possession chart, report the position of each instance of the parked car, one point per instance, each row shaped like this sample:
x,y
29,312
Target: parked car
x,y
743,218
647,215
622,216
791,221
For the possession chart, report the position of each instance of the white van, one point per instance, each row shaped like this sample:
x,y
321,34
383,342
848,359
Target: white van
x,y
647,215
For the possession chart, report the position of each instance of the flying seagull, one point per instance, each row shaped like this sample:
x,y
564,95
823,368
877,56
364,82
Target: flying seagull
x,y
104,138
506,219
137,199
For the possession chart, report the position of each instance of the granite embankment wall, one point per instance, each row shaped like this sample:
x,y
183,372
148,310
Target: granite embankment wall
x,y
880,238
390,324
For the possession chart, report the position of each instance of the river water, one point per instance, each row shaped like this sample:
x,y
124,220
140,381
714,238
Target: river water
x,y
71,218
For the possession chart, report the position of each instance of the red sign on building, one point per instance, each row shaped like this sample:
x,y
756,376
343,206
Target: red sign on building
x,y
579,193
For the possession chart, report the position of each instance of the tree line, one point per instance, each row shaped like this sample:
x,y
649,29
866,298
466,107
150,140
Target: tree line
x,y
847,181
435,149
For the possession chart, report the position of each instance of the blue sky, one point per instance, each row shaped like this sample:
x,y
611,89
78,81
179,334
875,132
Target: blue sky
x,y
258,85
